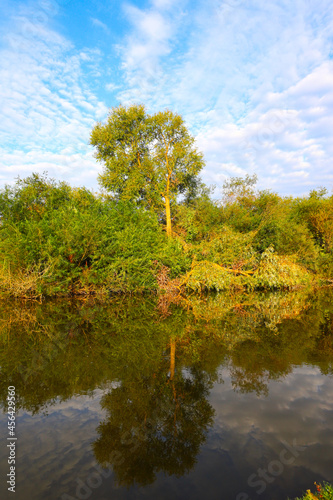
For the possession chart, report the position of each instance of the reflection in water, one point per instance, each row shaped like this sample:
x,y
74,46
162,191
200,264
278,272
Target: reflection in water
x,y
154,423
186,397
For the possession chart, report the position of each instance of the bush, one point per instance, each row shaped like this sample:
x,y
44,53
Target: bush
x,y
270,272
198,220
324,491
276,272
227,248
56,239
207,276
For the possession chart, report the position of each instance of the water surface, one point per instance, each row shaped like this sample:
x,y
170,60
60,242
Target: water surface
x,y
225,397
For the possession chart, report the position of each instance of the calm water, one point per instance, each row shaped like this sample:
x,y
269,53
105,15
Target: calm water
x,y
205,398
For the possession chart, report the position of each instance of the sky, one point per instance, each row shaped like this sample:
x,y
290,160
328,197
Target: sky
x,y
252,79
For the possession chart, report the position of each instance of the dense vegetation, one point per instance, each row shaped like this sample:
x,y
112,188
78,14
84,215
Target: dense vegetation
x,y
55,239
324,491
156,225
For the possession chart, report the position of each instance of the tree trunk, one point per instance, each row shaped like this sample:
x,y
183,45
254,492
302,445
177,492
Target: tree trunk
x,y
168,216
172,358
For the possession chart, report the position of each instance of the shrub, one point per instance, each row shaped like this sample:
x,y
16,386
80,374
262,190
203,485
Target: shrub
x,y
324,491
271,272
276,272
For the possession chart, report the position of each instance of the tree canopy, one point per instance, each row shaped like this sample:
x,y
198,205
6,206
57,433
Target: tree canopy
x,y
149,159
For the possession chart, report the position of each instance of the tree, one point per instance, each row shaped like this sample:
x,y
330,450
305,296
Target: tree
x,y
149,159
240,189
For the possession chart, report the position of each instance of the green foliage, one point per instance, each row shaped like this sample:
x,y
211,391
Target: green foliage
x,y
324,491
207,276
199,219
228,248
269,272
130,242
76,245
29,198
148,159
239,189
55,239
279,228
300,227
316,212
239,203
175,158
276,272
122,145
172,255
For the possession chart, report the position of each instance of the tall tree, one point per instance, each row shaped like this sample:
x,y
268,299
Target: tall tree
x,y
149,159
176,160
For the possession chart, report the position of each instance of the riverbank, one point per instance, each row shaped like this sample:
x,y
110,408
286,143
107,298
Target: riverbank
x,y
56,240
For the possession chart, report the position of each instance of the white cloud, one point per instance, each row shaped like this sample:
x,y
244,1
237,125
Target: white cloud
x,y
149,43
99,24
47,106
292,142
253,81
164,4
111,87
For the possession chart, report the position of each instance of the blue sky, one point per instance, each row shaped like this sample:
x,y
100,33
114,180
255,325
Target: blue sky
x,y
252,79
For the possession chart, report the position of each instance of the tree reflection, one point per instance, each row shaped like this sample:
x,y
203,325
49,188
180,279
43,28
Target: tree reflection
x,y
53,350
156,422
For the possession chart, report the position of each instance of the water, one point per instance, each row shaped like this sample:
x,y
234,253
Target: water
x,y
205,398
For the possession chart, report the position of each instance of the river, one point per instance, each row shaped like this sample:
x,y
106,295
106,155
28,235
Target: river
x,y
215,397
